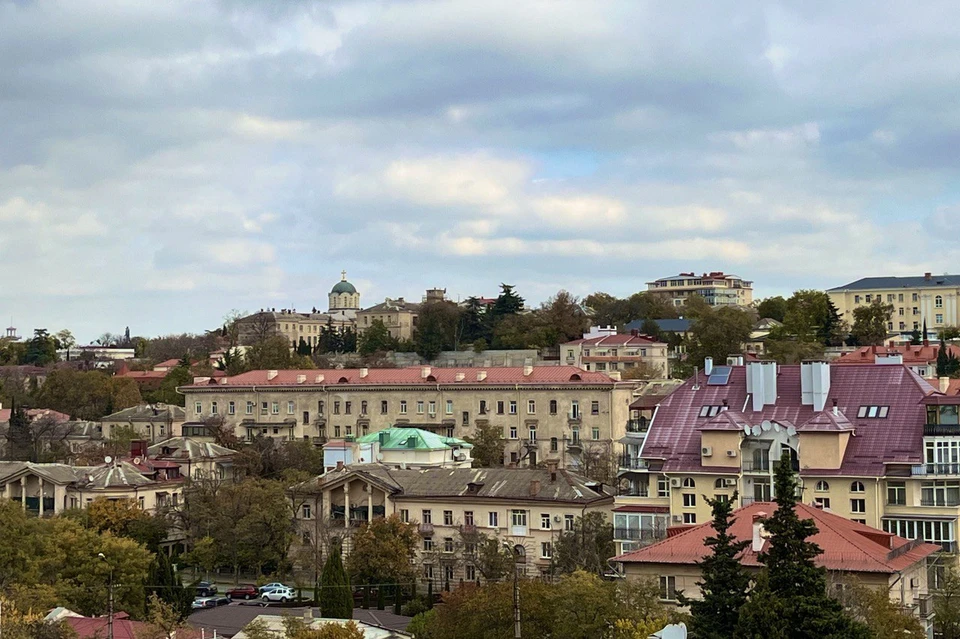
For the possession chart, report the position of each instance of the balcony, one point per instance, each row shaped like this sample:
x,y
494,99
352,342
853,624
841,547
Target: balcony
x,y
425,528
923,470
755,466
637,534
628,462
924,605
468,529
637,426
941,430
940,501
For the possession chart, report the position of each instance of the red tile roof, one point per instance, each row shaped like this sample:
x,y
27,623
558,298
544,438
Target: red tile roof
x,y
417,375
620,339
924,354
847,545
953,385
675,431
36,413
96,627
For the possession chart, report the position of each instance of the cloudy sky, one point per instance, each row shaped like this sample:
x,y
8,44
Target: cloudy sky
x,y
164,162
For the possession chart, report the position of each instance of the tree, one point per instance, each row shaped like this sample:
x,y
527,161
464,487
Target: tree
x,y
870,323
167,586
124,518
178,376
41,349
272,353
438,329
717,333
562,319
915,337
947,363
724,583
297,628
791,599
946,604
376,339
810,316
773,307
488,445
163,619
336,600
20,444
587,547
382,551
16,624
473,326
874,609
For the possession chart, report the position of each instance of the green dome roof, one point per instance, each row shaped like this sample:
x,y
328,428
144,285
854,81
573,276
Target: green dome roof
x,y
343,286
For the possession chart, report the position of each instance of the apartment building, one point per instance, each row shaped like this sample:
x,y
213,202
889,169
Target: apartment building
x,y
152,422
544,412
454,510
876,444
605,350
717,288
930,298
920,358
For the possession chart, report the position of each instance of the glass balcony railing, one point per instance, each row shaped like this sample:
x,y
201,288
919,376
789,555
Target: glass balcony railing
x,y
633,463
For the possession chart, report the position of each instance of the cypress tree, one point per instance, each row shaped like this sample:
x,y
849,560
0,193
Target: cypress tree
x,y
336,601
791,599
724,584
168,585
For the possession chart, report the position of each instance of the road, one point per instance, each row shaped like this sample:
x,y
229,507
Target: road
x,y
229,620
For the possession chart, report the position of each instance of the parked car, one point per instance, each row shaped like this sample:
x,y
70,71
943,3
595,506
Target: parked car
x,y
206,589
210,602
279,594
243,592
271,586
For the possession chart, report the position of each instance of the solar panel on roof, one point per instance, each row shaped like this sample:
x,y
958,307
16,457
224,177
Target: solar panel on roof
x,y
719,376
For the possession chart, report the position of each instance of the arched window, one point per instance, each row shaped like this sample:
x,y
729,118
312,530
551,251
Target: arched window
x,y
822,486
720,484
857,487
938,301
689,483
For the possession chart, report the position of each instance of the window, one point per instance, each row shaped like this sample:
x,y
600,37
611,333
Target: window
x,y
689,500
722,498
513,407
213,408
336,408
291,408
493,519
249,408
823,501
553,407
384,407
306,511
689,518
856,299
939,318
320,405
432,408
575,436
857,487
889,297
275,408
336,431
420,406
554,445
575,409
688,482
513,432
306,417
531,407
668,588
198,408
468,517
448,544
500,409
938,301
518,518
426,517
403,407
916,297
595,431
544,521
568,521
427,544
873,412
428,571
720,484
349,430
896,493
466,417
858,505
916,310
448,518
900,311
231,408
483,407
546,550
470,572
940,493
900,297
594,408
663,487
822,487
449,407
363,407
405,515
903,326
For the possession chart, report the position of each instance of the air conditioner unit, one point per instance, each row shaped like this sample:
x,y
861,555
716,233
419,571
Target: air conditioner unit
x,y
675,483
731,453
678,519
730,482
706,451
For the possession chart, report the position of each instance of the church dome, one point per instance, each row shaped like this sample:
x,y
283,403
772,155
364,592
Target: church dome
x,y
343,286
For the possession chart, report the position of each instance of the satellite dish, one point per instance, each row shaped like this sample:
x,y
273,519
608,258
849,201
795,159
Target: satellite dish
x,y
136,461
791,431
746,429
756,431
765,424
776,427
107,459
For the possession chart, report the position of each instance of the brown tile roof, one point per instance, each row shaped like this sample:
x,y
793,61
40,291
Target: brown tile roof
x,y
847,546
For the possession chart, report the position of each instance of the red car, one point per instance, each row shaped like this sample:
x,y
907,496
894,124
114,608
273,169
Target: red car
x,y
243,592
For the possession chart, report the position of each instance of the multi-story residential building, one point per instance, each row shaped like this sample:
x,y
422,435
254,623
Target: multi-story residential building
x,y
717,288
152,422
930,298
851,552
543,412
921,359
876,444
343,304
605,350
454,510
196,459
400,448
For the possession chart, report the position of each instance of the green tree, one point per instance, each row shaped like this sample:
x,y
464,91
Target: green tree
x,y
336,600
376,339
915,338
167,586
41,349
946,604
438,329
19,437
178,376
382,552
724,583
791,600
472,322
80,394
124,518
16,624
303,348
947,363
488,446
870,323
873,608
561,319
273,353
773,308
810,316
587,547
718,333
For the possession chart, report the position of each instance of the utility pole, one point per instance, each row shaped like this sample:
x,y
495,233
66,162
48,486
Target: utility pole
x,y
515,555
109,598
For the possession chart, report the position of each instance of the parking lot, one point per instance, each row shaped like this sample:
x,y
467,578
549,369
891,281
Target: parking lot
x,y
228,620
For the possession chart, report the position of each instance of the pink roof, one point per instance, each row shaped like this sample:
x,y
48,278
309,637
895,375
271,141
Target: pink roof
x,y
36,413
846,545
620,339
675,431
923,354
415,375
96,627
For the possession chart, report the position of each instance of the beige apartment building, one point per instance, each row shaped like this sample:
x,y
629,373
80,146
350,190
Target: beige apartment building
x,y
605,350
152,422
543,412
875,443
931,298
454,510
717,288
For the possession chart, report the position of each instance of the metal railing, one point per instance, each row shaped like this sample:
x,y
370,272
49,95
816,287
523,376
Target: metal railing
x,y
637,426
637,534
941,430
755,466
939,501
633,463
934,469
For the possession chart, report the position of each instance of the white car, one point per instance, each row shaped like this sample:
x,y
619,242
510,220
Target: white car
x,y
271,586
279,594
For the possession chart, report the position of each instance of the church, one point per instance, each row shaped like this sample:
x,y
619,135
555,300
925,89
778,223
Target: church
x,y
343,303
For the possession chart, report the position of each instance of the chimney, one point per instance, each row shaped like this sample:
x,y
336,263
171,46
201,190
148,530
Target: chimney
x,y
424,372
481,375
726,404
944,384
836,411
707,366
459,377
926,276
634,333
364,372
615,375
339,465
318,379
272,375
534,487
527,370
758,532
301,379
814,384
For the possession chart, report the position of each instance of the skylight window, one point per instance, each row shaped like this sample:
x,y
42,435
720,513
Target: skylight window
x,y
710,411
873,412
720,376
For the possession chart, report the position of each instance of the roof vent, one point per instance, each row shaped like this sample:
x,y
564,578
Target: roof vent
x,y
459,377
318,379
301,379
424,372
272,375
364,372
481,375
527,370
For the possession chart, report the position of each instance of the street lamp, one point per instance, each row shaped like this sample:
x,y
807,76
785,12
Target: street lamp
x,y
515,555
109,597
